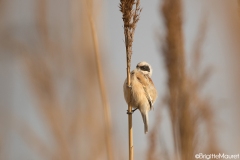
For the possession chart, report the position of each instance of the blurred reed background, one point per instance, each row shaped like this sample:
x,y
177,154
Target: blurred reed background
x,y
57,57
48,63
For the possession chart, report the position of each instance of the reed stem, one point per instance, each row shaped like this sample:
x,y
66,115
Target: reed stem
x,y
106,109
130,129
130,14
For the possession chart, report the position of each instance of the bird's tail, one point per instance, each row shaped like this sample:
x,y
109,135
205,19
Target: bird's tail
x,y
145,121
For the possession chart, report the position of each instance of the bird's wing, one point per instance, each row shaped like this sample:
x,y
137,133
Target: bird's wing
x,y
149,98
144,81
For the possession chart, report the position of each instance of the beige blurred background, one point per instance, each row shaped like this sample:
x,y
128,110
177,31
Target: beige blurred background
x,y
50,100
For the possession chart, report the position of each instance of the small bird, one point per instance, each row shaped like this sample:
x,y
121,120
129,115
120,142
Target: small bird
x,y
142,93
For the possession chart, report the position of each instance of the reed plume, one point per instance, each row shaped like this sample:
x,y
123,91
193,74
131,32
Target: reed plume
x,y
187,109
130,14
174,59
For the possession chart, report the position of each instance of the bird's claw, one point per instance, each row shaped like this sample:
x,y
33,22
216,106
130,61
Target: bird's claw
x,y
132,111
129,112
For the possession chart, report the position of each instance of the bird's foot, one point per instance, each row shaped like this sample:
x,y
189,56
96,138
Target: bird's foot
x,y
132,111
129,112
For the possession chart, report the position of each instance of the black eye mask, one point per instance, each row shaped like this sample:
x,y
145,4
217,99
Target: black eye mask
x,y
145,68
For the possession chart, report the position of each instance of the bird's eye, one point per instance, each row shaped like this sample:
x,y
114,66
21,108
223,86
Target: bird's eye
x,y
145,68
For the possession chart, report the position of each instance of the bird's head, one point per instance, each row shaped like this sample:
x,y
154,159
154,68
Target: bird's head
x,y
145,68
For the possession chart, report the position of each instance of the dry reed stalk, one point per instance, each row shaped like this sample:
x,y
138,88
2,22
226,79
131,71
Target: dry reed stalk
x,y
86,85
183,122
105,104
174,58
64,116
130,14
187,110
43,80
75,138
238,1
44,86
